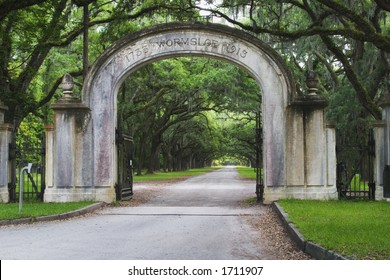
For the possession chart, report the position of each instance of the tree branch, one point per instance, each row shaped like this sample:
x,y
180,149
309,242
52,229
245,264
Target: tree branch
x,y
71,36
366,34
12,5
361,92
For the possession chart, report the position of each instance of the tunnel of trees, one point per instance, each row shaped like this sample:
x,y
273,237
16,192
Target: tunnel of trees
x,y
194,110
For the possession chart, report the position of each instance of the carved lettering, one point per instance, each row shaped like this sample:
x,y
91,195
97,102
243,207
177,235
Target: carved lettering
x,y
243,53
194,41
233,49
181,42
132,53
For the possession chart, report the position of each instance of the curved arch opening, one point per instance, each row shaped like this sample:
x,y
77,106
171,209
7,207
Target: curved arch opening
x,y
184,113
298,152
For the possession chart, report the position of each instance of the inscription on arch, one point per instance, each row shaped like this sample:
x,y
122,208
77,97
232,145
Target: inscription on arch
x,y
189,42
167,41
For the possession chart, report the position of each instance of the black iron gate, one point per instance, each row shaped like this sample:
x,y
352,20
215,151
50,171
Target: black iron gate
x,y
124,186
355,170
21,154
259,160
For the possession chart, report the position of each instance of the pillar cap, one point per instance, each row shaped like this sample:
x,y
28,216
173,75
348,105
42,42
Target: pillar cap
x,y
310,101
379,123
69,104
330,124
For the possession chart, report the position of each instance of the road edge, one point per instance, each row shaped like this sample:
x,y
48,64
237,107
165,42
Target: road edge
x,y
75,213
316,251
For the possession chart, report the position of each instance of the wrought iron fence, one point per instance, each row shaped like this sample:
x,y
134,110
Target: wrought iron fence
x,y
259,160
21,155
355,170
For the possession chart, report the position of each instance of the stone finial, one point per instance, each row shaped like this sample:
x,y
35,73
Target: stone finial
x,y
67,86
312,83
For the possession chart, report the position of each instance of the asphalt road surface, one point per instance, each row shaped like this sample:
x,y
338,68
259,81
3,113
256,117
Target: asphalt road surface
x,y
201,218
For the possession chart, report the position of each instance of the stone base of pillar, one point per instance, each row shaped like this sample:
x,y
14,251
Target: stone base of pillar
x,y
379,193
300,192
4,195
79,194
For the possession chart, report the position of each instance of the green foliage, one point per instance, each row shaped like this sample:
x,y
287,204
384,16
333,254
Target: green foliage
x,y
30,132
352,229
29,140
177,110
345,42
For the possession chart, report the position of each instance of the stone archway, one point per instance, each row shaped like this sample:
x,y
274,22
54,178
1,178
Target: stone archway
x,y
299,156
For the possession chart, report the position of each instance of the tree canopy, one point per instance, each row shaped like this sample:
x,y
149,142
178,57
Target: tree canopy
x,y
177,109
347,42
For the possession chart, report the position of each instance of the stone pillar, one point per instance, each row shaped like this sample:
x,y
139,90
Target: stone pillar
x,y
379,160
5,138
331,155
382,144
49,129
319,156
68,174
311,149
385,105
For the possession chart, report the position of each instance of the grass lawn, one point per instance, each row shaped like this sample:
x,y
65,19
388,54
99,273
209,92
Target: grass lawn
x,y
31,209
357,229
158,176
246,172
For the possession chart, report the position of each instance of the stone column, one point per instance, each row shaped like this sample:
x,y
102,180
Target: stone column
x,y
314,138
382,144
379,160
49,129
331,154
318,145
310,149
68,175
5,138
385,105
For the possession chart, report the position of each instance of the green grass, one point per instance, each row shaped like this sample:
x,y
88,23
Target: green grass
x,y
246,172
11,211
161,176
357,229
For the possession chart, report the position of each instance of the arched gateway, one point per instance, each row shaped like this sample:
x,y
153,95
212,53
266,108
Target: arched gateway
x,y
298,147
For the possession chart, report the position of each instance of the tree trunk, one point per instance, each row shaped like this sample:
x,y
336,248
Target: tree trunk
x,y
141,156
154,161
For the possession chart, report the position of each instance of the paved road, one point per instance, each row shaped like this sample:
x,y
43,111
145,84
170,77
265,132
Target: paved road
x,y
199,218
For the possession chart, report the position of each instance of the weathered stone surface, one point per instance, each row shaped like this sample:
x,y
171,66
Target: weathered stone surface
x,y
380,137
293,135
331,154
5,136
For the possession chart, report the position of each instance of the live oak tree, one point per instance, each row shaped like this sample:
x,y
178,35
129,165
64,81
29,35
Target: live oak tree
x,y
349,37
346,42
176,111
31,30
